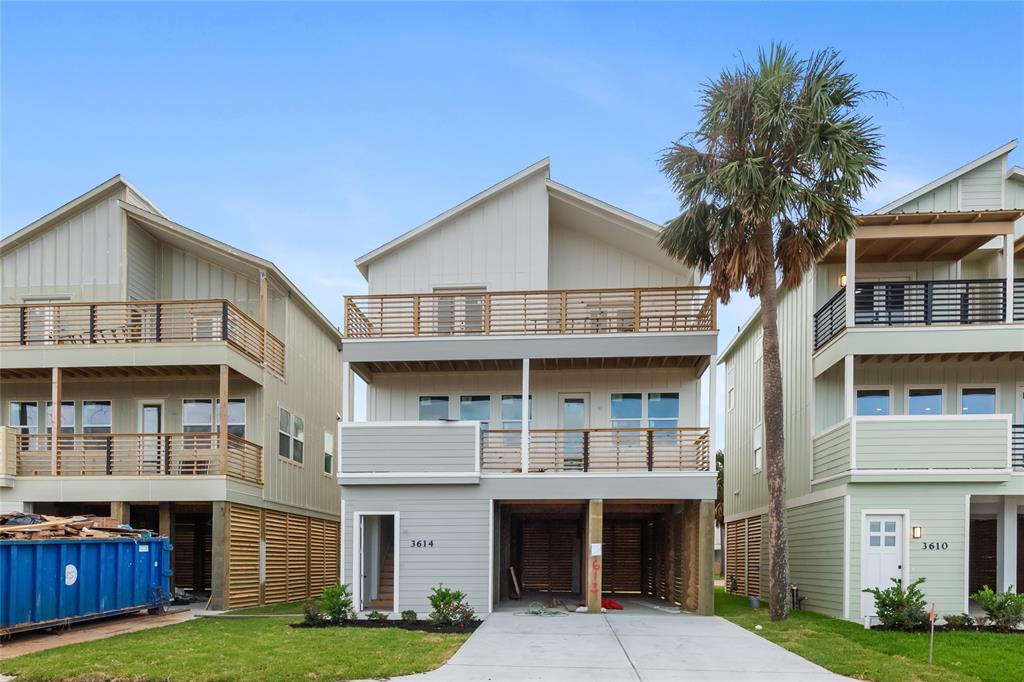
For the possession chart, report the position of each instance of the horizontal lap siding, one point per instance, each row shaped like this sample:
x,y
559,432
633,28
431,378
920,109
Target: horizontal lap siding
x,y
832,452
815,534
460,557
931,443
397,448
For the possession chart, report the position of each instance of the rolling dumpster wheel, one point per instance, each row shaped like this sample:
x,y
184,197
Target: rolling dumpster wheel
x,y
157,610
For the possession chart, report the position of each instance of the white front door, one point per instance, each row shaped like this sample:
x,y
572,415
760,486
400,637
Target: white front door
x,y
883,556
151,425
574,418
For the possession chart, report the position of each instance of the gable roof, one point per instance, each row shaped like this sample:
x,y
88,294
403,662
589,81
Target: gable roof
x,y
363,261
1015,173
948,177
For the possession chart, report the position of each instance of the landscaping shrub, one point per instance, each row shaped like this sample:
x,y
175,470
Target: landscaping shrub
x,y
1003,610
410,616
449,607
336,603
959,621
311,613
899,608
377,615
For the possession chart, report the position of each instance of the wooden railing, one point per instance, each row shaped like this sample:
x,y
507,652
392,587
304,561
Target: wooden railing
x,y
623,449
497,313
1017,446
129,322
139,454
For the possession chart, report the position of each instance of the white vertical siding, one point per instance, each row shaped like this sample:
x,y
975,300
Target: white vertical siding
x,y
143,264
185,275
579,261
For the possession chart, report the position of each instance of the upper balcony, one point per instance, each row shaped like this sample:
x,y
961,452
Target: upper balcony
x,y
186,325
469,325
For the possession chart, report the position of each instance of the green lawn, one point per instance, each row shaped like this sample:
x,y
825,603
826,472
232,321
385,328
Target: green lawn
x,y
848,649
240,649
291,608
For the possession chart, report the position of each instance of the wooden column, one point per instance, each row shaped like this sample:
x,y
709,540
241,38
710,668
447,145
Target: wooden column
x,y
706,559
220,567
122,511
691,555
222,428
165,519
56,386
524,442
595,535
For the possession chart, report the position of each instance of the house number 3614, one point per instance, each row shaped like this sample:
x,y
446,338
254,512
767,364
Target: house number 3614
x,y
933,546
421,543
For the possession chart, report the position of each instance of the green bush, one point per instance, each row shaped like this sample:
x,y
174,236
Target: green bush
x,y
449,607
959,621
377,615
336,603
898,608
410,616
1003,610
311,613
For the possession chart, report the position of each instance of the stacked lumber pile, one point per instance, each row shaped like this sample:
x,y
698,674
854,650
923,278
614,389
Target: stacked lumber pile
x,y
18,526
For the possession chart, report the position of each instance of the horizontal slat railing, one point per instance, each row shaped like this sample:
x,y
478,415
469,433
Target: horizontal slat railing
x,y
127,322
599,450
830,319
1017,446
496,313
139,454
1018,300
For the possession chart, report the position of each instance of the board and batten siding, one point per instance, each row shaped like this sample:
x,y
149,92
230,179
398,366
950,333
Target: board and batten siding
x,y
832,452
932,443
581,261
815,533
500,243
978,189
143,264
405,448
458,525
79,257
185,275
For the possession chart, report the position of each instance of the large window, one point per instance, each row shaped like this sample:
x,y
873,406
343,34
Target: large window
x,y
433,407
23,416
197,416
475,408
924,401
663,410
978,400
627,410
97,416
873,402
291,436
512,412
236,416
67,416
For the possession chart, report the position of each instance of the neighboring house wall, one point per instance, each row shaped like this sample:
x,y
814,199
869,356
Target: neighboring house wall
x,y
815,533
579,261
79,257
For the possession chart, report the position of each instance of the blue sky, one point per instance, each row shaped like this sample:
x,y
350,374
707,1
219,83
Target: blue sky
x,y
310,133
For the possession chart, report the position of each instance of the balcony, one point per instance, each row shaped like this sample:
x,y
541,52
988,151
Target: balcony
x,y
77,325
597,450
530,313
919,304
138,454
1017,447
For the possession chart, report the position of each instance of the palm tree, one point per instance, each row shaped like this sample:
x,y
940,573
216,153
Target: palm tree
x,y
767,184
720,504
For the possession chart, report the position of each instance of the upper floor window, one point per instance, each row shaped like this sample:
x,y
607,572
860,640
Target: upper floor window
x,y
196,415
978,400
23,416
512,411
924,401
758,449
67,416
663,410
236,416
97,416
873,402
291,436
328,453
627,410
475,408
730,388
433,407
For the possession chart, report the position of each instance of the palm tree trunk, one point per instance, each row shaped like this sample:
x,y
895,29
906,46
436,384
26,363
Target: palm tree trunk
x,y
774,450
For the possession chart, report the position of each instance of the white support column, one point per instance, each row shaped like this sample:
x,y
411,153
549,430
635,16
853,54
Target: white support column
x,y
849,394
346,392
524,443
712,406
1008,273
851,279
1006,543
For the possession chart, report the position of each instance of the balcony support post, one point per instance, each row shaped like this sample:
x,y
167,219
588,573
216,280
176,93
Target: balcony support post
x,y
595,536
56,385
1008,273
851,281
524,442
712,406
1006,542
222,426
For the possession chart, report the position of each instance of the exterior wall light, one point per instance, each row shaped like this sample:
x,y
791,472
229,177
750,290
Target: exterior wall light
x,y
842,280
916,532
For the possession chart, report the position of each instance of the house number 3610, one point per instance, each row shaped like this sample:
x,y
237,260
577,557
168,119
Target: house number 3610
x,y
421,543
934,545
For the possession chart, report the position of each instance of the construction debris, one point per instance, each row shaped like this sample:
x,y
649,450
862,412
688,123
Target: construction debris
x,y
18,526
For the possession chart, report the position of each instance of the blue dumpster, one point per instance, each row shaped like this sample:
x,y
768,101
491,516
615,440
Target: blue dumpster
x,y
54,582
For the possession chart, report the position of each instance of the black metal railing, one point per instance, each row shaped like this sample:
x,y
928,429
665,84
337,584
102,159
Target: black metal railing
x,y
1018,300
1017,446
898,304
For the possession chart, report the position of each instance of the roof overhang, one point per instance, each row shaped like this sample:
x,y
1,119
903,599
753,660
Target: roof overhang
x,y
1018,247
917,237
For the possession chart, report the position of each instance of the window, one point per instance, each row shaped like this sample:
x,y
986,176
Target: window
x,y
328,453
23,416
512,412
873,402
291,436
978,400
663,410
67,416
730,388
475,408
197,416
236,416
627,410
758,438
97,416
924,401
433,407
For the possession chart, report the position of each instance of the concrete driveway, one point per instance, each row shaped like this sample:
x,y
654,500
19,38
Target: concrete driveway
x,y
635,645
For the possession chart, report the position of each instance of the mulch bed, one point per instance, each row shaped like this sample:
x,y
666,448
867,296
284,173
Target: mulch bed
x,y
946,628
418,626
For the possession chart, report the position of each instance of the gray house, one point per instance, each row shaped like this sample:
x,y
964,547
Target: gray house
x,y
533,365
196,386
